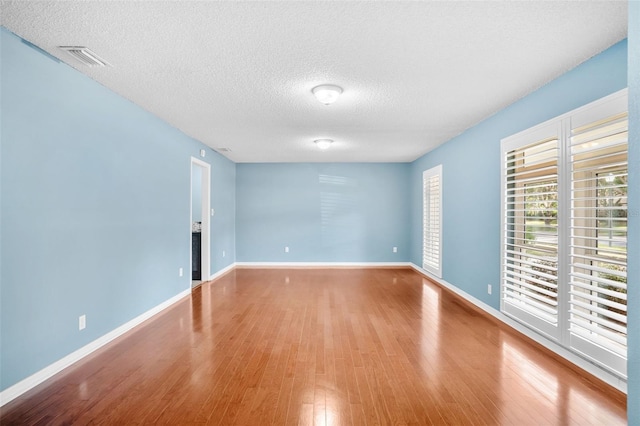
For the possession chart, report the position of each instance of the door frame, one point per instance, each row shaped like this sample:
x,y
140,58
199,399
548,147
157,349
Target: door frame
x,y
205,250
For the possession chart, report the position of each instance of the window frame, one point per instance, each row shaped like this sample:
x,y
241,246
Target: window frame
x,y
434,267
542,133
564,126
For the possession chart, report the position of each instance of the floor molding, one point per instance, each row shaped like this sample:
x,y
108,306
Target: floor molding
x,y
222,272
35,379
331,265
561,351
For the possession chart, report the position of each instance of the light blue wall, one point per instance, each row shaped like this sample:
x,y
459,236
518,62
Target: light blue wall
x,y
323,212
633,270
223,201
95,210
471,172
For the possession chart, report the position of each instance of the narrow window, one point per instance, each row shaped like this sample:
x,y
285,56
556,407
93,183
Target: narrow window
x,y
530,278
598,238
432,221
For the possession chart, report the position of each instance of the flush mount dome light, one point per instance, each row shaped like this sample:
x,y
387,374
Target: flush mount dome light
x,y
327,93
323,143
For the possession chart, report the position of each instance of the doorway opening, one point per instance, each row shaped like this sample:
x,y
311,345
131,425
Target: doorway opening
x,y
200,221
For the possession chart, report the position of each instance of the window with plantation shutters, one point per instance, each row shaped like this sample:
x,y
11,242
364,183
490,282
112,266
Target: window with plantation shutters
x,y
530,267
598,234
432,221
564,230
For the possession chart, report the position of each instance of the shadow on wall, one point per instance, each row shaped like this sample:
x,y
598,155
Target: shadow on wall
x,y
341,225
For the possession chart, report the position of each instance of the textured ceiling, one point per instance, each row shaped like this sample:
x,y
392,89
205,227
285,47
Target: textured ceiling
x,y
239,74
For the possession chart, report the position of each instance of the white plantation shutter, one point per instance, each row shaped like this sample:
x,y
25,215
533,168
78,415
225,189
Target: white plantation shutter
x,y
598,234
530,229
432,221
564,230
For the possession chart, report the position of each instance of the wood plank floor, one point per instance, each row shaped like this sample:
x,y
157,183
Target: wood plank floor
x,y
323,347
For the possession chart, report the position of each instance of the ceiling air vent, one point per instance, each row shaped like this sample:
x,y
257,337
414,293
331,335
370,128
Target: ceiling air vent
x,y
223,149
85,56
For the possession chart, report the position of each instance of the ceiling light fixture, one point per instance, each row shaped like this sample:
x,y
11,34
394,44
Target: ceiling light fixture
x,y
323,143
327,93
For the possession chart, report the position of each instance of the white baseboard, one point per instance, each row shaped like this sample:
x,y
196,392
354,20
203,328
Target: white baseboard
x,y
222,272
35,379
293,265
586,365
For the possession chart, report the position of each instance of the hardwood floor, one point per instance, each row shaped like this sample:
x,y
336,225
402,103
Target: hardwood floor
x,y
324,347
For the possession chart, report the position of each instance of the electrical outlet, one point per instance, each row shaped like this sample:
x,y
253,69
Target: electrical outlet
x,y
224,253
180,272
395,249
82,322
286,249
489,288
